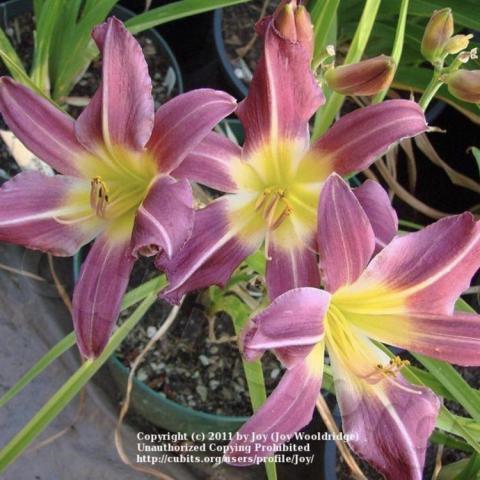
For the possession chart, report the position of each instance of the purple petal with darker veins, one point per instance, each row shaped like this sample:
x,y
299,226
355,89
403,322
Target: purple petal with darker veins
x,y
98,293
360,137
291,268
283,94
122,110
376,204
164,221
37,213
452,338
183,122
294,319
44,129
208,258
388,420
345,237
287,410
432,266
210,162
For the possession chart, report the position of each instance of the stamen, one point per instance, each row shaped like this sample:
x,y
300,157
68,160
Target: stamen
x,y
393,367
99,196
269,202
388,371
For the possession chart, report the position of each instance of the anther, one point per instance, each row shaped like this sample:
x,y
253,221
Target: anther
x,y
98,196
393,367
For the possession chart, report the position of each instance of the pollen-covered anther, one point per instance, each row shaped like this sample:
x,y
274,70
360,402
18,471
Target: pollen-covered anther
x,y
393,367
99,196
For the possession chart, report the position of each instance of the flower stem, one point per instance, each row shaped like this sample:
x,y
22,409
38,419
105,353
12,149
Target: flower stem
x,y
430,91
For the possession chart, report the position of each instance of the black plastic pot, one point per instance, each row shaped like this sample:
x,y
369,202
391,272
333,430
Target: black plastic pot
x,y
155,407
238,87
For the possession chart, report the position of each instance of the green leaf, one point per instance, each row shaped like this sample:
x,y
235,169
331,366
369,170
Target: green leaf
x,y
64,30
464,428
70,389
323,15
174,11
13,63
131,298
257,262
476,154
471,470
78,50
253,370
61,347
398,43
46,23
442,438
459,389
325,115
37,8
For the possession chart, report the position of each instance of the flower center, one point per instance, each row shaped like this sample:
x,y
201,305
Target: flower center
x,y
274,206
120,179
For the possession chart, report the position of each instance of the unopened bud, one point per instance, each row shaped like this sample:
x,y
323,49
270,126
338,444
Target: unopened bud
x,y
304,27
437,32
457,43
285,22
465,85
364,78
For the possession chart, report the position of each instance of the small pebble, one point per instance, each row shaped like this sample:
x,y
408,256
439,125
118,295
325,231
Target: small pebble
x,y
151,331
214,384
202,391
275,373
204,360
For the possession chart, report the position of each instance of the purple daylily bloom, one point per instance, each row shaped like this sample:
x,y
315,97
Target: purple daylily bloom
x,y
404,296
274,181
116,183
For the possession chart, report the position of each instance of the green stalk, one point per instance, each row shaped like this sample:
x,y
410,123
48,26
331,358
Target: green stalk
x,y
131,298
70,389
256,390
430,92
323,18
397,49
325,116
62,346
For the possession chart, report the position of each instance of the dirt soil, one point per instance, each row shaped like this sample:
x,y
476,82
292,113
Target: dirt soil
x,y
188,365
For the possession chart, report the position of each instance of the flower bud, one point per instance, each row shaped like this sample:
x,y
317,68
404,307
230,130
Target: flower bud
x,y
457,43
304,26
437,32
465,85
285,21
294,23
364,78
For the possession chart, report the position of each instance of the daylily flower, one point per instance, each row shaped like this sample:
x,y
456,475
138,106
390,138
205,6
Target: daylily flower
x,y
274,181
117,184
404,297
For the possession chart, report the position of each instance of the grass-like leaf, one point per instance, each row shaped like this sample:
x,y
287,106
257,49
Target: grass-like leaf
x,y
175,11
70,389
326,114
